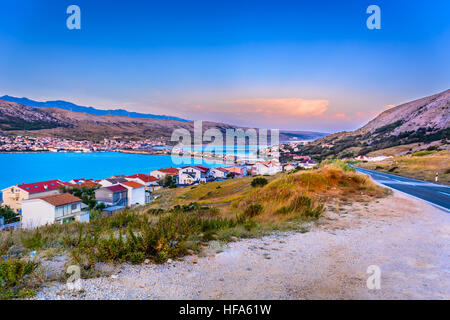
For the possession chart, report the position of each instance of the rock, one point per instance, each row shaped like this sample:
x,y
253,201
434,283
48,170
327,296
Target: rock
x,y
169,260
114,276
190,252
234,239
194,260
147,261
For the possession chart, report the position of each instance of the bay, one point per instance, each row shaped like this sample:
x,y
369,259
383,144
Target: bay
x,y
17,168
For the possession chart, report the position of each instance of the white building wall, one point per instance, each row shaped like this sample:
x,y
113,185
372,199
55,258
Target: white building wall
x,y
184,178
157,174
37,213
135,195
138,196
217,173
84,217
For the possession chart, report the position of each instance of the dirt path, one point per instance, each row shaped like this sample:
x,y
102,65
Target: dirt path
x,y
407,238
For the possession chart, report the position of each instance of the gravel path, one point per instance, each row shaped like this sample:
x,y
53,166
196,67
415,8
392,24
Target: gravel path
x,y
407,238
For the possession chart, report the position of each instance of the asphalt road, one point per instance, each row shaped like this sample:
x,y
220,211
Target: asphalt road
x,y
436,194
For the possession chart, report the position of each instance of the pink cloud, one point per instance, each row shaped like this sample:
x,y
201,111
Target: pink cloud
x,y
341,116
285,107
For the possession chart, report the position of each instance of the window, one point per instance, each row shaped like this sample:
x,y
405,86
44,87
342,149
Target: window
x,y
74,206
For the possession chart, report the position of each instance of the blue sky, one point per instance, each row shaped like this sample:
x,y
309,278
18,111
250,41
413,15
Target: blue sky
x,y
300,65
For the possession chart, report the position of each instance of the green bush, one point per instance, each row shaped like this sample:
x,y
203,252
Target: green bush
x,y
15,277
33,240
253,210
303,206
422,153
259,182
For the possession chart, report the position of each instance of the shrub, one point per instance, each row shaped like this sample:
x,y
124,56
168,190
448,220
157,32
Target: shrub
x,y
253,210
421,153
33,240
156,211
14,277
259,182
7,213
303,206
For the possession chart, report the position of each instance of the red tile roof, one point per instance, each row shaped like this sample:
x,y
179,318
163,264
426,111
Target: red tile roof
x,y
221,169
116,188
132,184
169,170
198,167
143,177
42,186
60,199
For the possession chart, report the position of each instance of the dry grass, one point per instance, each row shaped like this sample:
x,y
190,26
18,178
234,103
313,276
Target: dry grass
x,y
418,167
280,198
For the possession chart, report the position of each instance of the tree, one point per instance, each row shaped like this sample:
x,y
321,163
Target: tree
x,y
7,213
259,182
168,182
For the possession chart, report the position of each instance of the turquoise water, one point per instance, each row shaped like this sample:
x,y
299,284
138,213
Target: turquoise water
x,y
16,168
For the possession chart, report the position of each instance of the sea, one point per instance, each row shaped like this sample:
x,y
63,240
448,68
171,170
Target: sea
x,y
27,167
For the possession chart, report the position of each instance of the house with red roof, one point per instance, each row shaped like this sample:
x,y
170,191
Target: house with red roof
x,y
14,195
58,208
193,174
269,167
219,173
136,193
147,180
162,173
112,196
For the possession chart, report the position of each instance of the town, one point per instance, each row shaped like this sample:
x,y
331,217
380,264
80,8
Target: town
x,y
55,201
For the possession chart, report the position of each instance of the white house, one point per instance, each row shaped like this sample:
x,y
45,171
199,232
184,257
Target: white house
x,y
219,172
237,171
161,173
148,181
266,167
59,208
308,164
289,167
111,181
193,174
136,193
14,195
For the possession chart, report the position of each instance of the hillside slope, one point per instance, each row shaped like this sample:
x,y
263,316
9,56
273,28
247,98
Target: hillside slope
x,y
421,121
89,110
24,120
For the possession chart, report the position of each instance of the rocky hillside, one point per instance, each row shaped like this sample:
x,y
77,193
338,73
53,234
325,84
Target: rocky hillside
x,y
89,110
20,117
24,120
430,112
420,123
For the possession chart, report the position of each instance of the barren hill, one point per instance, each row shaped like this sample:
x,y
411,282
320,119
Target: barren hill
x,y
424,122
16,118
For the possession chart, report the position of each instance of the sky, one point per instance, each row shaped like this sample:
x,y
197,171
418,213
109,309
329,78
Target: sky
x,y
295,65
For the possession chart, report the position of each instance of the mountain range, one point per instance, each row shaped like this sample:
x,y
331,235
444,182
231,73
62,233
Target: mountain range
x,y
20,119
89,110
424,121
